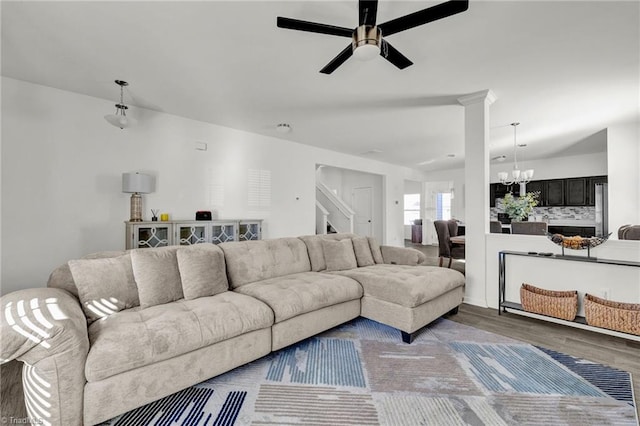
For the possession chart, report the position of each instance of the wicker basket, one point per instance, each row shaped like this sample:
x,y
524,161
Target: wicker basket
x,y
557,304
613,315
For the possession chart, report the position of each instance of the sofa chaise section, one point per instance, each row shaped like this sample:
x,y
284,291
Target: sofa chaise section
x,y
408,297
397,290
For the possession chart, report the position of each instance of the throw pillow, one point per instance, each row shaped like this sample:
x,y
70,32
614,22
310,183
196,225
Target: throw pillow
x,y
375,250
339,255
105,286
157,275
362,251
202,270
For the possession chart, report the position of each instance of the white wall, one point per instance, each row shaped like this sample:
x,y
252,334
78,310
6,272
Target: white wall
x,y
62,165
561,167
623,145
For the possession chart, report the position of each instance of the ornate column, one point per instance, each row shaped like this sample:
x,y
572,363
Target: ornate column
x,y
476,192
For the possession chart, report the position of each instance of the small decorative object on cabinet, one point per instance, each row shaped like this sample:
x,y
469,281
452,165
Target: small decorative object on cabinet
x,y
577,242
188,232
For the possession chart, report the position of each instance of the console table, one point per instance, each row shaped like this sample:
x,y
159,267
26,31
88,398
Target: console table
x,y
187,232
580,322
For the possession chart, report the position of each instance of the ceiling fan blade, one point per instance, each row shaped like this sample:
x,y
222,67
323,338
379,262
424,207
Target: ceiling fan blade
x,y
368,11
338,60
392,55
424,16
313,27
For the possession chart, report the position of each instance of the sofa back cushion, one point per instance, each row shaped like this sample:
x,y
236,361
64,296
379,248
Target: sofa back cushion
x,y
366,249
105,285
61,277
202,270
376,252
157,275
339,255
362,250
251,261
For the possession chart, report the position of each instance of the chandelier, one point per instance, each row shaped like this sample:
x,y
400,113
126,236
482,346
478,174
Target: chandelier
x,y
517,176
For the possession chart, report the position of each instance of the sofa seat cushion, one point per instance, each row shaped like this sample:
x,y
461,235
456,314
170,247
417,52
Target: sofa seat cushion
x,y
409,286
296,294
137,337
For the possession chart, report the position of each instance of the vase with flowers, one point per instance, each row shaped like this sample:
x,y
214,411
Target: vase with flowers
x,y
521,207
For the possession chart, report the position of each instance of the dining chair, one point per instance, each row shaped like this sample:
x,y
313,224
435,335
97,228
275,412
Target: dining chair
x,y
529,228
630,232
445,230
495,227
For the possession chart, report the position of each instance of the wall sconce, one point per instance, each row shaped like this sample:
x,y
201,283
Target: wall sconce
x,y
136,184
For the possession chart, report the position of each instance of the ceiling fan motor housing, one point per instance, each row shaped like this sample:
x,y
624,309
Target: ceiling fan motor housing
x,y
366,35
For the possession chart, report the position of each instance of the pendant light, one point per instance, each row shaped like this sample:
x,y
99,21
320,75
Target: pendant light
x,y
517,177
120,119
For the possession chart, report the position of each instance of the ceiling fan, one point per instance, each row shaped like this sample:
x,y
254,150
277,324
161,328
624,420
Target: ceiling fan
x,y
367,38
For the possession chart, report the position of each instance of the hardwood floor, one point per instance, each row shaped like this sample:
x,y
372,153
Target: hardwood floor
x,y
616,352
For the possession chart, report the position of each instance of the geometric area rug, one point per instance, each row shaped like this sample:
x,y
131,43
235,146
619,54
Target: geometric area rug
x,y
361,373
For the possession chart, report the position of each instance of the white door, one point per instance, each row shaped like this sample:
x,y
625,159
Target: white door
x,y
362,202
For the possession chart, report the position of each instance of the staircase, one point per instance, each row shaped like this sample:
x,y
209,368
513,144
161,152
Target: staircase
x,y
332,213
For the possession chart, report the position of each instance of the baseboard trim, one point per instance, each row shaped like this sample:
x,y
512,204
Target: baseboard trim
x,y
476,302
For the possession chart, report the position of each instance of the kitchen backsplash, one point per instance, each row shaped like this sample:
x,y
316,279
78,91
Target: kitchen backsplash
x,y
554,213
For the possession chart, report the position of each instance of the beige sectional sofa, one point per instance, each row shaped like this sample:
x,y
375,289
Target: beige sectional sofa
x,y
117,330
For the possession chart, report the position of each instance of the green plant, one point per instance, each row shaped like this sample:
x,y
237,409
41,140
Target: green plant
x,y
521,207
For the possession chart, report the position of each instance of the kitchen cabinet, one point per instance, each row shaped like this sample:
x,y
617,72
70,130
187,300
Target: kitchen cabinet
x,y
554,192
537,186
575,191
579,191
591,188
498,190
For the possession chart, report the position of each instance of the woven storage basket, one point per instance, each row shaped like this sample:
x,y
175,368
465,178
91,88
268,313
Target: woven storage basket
x,y
613,315
557,304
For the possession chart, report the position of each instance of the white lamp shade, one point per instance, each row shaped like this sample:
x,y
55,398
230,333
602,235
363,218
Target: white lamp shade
x,y
503,176
515,173
528,174
138,182
121,121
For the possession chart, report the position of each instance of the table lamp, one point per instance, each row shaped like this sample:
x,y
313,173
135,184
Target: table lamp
x,y
136,184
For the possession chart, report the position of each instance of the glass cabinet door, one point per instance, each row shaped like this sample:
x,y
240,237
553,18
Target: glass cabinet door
x,y
188,234
151,236
223,232
249,231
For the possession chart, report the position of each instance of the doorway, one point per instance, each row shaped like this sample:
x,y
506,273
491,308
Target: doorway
x,y
362,204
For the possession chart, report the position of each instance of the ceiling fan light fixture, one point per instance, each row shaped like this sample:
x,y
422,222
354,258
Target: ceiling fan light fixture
x,y
366,42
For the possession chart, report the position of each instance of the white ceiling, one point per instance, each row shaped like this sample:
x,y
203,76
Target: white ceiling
x,y
564,69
